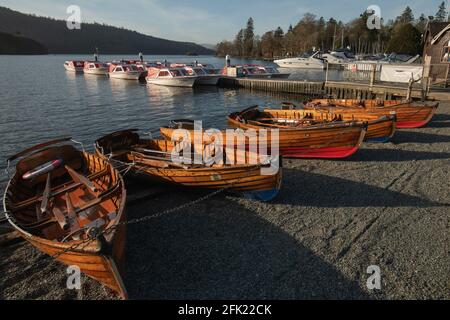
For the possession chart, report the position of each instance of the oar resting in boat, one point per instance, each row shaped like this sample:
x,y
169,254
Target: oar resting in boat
x,y
323,140
409,114
260,179
381,128
60,198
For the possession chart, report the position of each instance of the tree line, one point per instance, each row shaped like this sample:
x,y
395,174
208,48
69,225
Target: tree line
x,y
401,35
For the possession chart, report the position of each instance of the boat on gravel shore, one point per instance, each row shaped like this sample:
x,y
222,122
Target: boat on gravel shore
x,y
409,114
380,128
69,204
325,141
153,158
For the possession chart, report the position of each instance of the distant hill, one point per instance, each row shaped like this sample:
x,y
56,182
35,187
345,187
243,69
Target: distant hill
x,y
11,44
209,46
55,35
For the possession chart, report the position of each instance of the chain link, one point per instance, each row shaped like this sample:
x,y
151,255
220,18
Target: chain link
x,y
156,215
83,244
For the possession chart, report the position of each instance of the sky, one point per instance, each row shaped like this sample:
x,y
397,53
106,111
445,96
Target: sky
x,y
210,21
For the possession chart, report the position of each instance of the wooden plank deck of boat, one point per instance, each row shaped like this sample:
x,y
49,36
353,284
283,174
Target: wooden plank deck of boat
x,y
138,191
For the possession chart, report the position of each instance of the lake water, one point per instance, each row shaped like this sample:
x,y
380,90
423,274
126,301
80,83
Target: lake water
x,y
39,101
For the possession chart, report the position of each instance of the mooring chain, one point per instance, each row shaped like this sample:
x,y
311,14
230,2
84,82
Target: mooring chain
x,y
150,217
87,241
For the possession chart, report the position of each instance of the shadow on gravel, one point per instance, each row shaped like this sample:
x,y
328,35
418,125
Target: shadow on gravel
x,y
392,155
219,250
439,124
440,121
441,117
312,189
419,137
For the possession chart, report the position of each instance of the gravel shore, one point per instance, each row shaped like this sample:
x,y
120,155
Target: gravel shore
x,y
388,205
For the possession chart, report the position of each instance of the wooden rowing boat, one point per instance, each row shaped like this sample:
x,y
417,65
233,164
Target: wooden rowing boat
x,y
409,114
61,201
380,128
154,159
327,141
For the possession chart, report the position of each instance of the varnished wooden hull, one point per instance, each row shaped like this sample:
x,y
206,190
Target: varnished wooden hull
x,y
102,259
103,263
246,178
325,142
332,141
380,128
409,115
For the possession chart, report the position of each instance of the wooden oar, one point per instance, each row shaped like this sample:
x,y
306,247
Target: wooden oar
x,y
46,195
71,214
79,178
61,219
161,162
55,192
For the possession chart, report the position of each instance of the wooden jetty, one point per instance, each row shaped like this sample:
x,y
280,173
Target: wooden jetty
x,y
336,89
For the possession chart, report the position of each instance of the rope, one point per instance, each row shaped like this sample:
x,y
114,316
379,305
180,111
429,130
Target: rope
x,y
80,143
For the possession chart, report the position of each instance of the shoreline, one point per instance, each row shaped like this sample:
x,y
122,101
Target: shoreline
x,y
387,205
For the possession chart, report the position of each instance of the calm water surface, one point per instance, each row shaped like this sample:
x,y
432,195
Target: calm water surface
x,y
39,101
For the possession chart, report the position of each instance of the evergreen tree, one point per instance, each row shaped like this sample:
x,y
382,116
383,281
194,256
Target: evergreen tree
x,y
290,28
441,15
421,23
407,16
249,38
239,43
405,39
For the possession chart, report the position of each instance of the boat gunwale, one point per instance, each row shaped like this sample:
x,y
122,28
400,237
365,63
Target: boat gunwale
x,y
94,247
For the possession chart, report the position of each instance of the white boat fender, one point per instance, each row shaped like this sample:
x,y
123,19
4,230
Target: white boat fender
x,y
43,169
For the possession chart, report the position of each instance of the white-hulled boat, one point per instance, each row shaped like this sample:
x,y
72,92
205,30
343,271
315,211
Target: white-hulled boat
x,y
172,77
306,61
203,78
125,71
252,71
274,73
339,56
74,65
96,68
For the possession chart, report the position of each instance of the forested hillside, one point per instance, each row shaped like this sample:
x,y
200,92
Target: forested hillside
x,y
55,35
10,44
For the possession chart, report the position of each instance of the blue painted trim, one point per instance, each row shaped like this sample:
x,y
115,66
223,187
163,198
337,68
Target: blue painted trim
x,y
264,195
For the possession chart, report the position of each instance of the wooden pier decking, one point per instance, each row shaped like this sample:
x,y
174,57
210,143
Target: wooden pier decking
x,y
336,89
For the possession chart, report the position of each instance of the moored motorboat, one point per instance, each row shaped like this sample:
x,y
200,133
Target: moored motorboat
x,y
118,70
381,128
172,77
69,204
305,61
409,114
274,73
153,158
203,78
74,65
96,68
252,71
